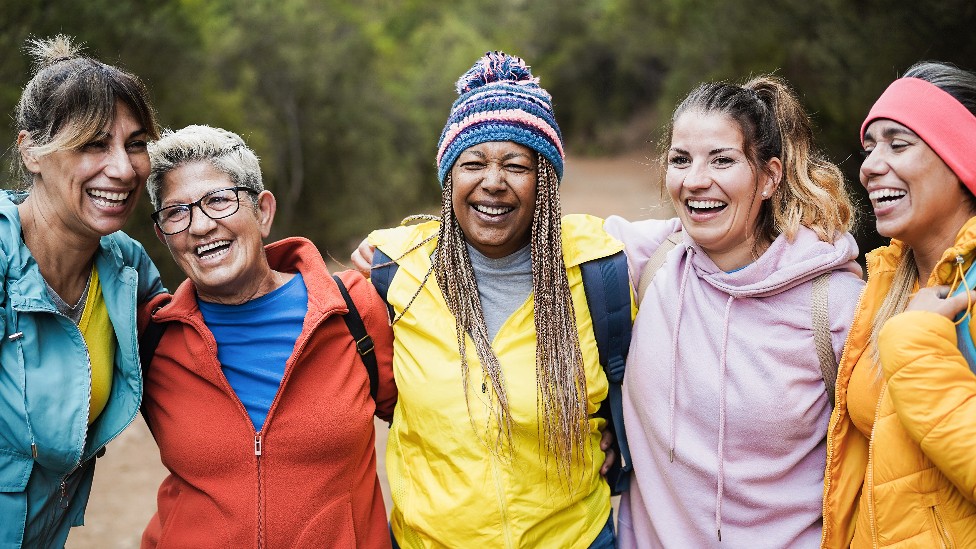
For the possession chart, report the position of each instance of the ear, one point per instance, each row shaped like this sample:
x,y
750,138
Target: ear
x,y
160,235
771,182
266,208
24,145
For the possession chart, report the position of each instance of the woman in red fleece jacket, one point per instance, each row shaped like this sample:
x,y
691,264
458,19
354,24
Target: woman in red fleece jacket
x,y
256,395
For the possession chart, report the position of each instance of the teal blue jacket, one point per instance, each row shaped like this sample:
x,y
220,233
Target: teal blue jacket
x,y
46,445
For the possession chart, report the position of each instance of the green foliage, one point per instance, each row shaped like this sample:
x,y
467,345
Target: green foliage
x,y
344,101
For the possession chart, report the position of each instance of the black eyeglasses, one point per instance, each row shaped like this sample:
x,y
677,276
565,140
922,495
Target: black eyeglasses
x,y
216,204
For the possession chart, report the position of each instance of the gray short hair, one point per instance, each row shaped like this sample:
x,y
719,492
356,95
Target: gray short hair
x,y
223,149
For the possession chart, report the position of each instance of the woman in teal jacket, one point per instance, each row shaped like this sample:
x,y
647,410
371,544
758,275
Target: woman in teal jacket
x,y
70,379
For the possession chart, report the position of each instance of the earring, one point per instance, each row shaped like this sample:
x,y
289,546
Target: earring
x,y
764,194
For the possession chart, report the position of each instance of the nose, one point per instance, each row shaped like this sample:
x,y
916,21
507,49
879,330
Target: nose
x,y
200,223
494,178
697,177
874,164
118,164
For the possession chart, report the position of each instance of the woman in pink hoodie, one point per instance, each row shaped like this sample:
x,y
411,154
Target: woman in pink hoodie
x,y
729,383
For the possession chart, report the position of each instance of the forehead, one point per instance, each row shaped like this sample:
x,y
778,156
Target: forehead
x,y
188,182
499,149
696,129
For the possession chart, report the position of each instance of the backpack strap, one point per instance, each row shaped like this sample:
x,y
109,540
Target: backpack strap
x,y
381,275
148,342
364,343
821,333
654,263
607,286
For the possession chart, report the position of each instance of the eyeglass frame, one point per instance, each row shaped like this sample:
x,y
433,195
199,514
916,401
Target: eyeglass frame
x,y
199,204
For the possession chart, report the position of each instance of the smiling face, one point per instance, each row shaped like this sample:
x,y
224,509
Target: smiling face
x,y
224,257
715,190
915,196
493,195
91,191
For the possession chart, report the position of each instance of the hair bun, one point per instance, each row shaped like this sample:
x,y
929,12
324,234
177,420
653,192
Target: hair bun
x,y
496,66
50,51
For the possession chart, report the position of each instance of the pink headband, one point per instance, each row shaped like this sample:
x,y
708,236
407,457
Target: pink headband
x,y
938,118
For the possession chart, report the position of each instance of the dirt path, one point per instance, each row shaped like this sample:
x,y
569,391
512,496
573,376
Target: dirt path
x,y
124,495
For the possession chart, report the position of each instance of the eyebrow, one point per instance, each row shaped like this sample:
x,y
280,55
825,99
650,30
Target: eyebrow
x,y
710,153
891,131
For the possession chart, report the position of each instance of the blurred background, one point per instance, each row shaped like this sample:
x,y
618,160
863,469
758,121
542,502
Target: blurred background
x,y
344,102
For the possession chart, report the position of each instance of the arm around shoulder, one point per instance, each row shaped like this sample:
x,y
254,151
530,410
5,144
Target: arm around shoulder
x,y
934,392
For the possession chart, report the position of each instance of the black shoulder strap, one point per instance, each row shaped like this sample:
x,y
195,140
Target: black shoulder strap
x,y
381,275
608,295
148,341
364,343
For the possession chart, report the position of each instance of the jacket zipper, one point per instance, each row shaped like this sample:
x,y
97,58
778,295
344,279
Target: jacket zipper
x,y
258,447
870,470
830,438
502,507
943,529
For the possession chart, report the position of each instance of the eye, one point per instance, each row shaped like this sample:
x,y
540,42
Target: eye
x,y
519,168
899,144
723,161
137,146
866,152
94,146
472,165
678,160
218,201
174,213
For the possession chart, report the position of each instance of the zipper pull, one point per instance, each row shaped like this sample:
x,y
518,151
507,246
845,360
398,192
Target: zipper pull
x,y
257,444
34,450
64,494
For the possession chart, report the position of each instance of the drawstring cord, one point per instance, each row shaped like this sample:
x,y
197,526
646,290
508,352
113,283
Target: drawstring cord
x,y
960,278
674,351
720,490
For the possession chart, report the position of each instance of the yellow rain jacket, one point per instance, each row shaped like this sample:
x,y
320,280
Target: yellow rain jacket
x,y
913,482
449,488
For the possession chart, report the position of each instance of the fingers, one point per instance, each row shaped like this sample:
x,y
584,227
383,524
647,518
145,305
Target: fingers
x,y
936,299
606,439
362,257
608,462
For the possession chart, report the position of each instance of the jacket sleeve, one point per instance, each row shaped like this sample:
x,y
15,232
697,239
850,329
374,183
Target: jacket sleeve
x,y
376,319
933,391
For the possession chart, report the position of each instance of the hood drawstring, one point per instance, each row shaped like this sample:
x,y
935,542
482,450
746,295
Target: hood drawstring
x,y
721,420
720,490
674,348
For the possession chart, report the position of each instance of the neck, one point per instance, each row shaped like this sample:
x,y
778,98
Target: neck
x,y
264,285
64,258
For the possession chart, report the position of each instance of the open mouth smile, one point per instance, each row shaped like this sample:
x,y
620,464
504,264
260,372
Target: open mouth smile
x,y
492,211
705,206
886,197
108,199
212,249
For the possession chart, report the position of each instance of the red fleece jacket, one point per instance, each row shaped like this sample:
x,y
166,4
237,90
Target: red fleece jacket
x,y
314,483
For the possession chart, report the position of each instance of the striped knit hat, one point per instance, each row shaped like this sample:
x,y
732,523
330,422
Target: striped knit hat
x,y
500,101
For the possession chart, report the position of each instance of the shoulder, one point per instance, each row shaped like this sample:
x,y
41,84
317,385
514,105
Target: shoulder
x,y
641,238
585,239
124,246
397,240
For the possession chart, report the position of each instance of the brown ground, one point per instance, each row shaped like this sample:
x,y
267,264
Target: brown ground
x,y
124,495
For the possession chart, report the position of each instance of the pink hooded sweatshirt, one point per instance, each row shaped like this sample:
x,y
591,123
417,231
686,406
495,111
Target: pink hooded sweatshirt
x,y
723,374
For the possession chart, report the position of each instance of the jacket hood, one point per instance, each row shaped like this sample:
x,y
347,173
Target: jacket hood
x,y
784,264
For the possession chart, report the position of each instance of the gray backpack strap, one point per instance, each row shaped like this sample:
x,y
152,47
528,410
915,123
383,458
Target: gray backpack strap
x,y
821,333
654,263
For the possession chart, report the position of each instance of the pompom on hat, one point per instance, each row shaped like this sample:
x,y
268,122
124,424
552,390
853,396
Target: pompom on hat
x,y
500,100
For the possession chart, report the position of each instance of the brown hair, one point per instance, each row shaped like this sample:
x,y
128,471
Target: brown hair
x,y
774,124
71,98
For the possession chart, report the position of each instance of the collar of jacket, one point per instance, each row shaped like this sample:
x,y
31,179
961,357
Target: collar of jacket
x,y
885,258
290,255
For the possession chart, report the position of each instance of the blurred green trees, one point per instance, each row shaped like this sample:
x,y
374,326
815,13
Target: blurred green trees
x,y
344,101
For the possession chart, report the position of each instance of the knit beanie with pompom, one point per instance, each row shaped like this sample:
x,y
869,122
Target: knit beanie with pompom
x,y
500,100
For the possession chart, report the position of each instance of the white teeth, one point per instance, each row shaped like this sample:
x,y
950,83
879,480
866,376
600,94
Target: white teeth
x,y
115,197
490,210
207,247
886,193
705,204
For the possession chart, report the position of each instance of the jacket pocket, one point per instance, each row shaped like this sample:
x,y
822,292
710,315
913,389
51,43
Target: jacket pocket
x,y
185,521
333,526
15,471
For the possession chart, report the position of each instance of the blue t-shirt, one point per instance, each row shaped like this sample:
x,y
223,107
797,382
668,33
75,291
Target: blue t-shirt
x,y
255,340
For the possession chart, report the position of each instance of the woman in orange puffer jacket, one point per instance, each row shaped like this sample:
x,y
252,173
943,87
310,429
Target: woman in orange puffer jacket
x,y
901,446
